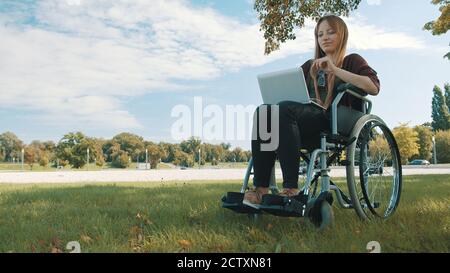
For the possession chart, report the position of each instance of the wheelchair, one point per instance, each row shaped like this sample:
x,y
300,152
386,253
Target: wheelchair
x,y
369,152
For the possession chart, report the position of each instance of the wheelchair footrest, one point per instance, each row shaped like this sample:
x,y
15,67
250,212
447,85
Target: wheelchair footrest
x,y
233,201
284,206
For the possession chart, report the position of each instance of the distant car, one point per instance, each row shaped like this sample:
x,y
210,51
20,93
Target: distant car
x,y
419,162
183,168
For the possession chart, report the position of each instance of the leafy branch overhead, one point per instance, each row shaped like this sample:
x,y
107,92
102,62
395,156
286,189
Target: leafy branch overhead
x,y
279,18
442,24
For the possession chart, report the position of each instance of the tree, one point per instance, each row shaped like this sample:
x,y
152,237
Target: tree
x,y
109,148
30,156
237,155
120,159
72,148
66,146
442,24
442,139
169,151
155,152
379,148
191,146
130,143
279,18
97,148
425,135
10,145
183,159
43,160
439,111
447,95
407,140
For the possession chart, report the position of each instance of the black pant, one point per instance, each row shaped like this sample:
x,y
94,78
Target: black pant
x,y
300,126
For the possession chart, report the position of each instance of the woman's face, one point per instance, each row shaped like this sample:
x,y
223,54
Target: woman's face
x,y
327,38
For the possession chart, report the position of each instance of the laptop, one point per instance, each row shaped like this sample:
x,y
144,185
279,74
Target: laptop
x,y
285,85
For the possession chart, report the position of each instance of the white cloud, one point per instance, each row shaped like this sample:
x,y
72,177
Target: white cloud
x,y
82,58
364,36
374,2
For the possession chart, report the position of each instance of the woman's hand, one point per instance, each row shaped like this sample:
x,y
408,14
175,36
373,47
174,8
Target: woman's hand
x,y
325,63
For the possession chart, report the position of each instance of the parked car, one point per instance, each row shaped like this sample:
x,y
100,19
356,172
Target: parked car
x,y
419,162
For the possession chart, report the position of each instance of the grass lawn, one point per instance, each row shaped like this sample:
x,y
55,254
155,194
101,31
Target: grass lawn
x,y
187,217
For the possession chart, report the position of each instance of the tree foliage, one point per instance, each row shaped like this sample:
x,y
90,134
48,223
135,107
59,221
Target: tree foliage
x,y
425,135
442,24
439,111
442,139
447,95
130,143
279,17
72,148
407,140
11,146
379,148
155,153
120,159
183,159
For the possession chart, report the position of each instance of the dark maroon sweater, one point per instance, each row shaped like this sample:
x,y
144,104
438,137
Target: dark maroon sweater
x,y
353,63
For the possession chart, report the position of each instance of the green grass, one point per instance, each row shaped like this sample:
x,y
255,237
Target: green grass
x,y
187,217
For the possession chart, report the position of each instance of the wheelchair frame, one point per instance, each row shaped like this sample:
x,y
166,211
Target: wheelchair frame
x,y
318,206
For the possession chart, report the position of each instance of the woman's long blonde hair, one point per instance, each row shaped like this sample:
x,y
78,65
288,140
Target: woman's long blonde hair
x,y
340,27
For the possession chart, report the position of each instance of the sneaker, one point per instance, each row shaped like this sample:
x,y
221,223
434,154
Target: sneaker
x,y
289,192
253,198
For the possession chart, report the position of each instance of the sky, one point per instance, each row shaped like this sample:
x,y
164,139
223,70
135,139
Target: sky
x,y
104,67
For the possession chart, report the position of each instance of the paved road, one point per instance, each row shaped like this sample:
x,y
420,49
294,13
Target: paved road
x,y
169,175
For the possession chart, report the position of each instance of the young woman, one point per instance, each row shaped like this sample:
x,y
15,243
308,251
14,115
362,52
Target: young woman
x,y
300,125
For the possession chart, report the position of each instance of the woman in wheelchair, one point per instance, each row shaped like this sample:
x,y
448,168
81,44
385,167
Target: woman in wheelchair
x,y
300,125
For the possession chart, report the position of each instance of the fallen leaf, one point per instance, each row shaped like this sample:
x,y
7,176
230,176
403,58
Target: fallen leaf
x,y
184,243
42,243
56,250
56,242
85,239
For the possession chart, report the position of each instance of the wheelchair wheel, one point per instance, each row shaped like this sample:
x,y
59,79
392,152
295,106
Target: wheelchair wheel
x,y
374,172
323,216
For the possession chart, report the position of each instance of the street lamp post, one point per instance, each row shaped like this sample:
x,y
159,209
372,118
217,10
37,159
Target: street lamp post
x,y
199,157
434,151
87,159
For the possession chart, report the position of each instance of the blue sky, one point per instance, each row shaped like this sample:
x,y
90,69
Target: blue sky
x,y
105,67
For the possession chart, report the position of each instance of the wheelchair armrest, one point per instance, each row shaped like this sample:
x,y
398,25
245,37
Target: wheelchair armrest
x,y
344,86
354,91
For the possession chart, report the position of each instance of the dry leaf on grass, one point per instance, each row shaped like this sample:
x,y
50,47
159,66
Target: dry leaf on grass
x,y
56,250
85,239
184,243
